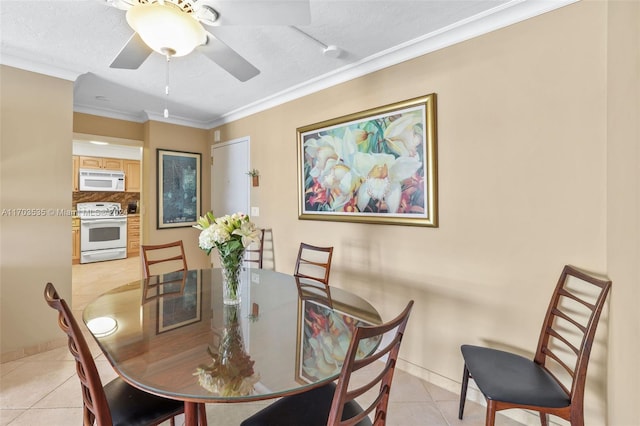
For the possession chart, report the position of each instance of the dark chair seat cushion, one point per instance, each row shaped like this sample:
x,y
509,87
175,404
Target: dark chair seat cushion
x,y
130,406
306,409
507,377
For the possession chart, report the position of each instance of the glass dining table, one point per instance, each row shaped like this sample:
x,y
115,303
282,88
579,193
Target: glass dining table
x,y
171,335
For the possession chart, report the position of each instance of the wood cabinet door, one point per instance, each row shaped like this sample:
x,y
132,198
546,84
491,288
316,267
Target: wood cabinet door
x,y
133,247
112,164
90,162
75,244
75,183
101,163
133,236
132,181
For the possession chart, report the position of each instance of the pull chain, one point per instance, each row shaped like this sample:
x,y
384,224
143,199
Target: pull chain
x,y
166,90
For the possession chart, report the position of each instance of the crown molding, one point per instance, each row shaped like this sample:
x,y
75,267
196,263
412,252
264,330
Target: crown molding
x,y
181,121
496,18
12,57
110,113
142,117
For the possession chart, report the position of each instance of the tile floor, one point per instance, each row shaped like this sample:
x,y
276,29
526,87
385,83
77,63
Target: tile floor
x,y
44,389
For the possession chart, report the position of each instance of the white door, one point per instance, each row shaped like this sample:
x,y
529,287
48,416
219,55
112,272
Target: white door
x,y
229,179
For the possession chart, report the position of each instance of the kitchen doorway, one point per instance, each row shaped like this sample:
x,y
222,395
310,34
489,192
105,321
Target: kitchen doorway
x,y
101,156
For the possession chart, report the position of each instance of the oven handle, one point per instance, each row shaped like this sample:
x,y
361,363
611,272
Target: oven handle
x,y
91,221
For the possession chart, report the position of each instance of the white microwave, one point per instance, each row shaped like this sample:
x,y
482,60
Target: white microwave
x,y
101,180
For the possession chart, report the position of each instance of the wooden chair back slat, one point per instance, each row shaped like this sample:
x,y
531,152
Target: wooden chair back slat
x,y
95,407
171,254
254,253
580,308
314,263
345,393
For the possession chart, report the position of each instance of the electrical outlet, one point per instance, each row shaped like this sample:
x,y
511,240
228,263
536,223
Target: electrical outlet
x,y
255,278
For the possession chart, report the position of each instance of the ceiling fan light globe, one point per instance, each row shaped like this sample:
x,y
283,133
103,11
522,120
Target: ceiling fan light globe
x,y
164,27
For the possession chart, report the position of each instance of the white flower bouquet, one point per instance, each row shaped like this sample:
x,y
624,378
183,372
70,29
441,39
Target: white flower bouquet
x,y
230,235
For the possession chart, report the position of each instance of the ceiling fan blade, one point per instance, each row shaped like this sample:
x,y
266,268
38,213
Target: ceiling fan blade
x,y
228,59
133,54
261,12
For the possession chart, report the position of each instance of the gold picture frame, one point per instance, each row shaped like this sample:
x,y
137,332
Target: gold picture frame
x,y
375,166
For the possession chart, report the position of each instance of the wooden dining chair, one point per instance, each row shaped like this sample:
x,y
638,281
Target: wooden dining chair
x,y
171,255
334,404
553,383
117,403
315,291
253,254
314,262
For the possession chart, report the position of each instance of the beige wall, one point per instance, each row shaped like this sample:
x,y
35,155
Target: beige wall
x,y
35,173
154,135
179,138
623,215
109,127
522,152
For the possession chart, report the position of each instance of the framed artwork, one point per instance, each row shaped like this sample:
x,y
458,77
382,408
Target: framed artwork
x,y
179,308
324,335
374,166
179,188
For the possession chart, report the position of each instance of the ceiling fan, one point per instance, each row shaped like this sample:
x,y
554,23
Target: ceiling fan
x,y
178,27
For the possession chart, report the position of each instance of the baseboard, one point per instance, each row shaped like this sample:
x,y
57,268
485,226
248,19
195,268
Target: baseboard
x,y
32,350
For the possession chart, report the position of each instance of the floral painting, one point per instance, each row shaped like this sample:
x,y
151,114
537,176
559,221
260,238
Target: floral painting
x,y
376,166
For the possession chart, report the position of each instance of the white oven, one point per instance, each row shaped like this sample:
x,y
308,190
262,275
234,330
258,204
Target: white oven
x,y
103,232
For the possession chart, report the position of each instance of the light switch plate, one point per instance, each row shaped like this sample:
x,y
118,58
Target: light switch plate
x,y
255,211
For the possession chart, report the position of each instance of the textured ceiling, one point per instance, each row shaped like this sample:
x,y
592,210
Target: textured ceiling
x,y
78,40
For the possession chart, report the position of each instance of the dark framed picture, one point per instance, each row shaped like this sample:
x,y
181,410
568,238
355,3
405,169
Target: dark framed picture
x,y
179,300
179,188
374,166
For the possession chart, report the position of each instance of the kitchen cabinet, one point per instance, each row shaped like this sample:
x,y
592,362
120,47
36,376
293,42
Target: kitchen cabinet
x,y
75,181
133,235
75,240
132,182
131,168
101,163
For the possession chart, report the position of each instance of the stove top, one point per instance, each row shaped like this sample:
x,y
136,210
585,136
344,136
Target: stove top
x,y
99,210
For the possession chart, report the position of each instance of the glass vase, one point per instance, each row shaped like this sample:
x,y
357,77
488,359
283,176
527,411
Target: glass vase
x,y
231,265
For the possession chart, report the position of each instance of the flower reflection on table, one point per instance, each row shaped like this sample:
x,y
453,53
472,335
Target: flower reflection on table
x,y
231,370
